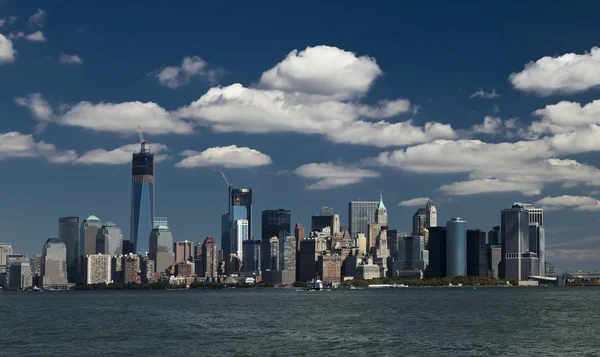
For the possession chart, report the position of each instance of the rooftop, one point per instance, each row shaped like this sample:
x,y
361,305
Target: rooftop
x,y
381,205
92,218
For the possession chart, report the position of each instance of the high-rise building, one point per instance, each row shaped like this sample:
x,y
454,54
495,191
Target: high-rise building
x,y
418,221
19,275
182,250
240,234
251,263
382,217
131,269
161,248
54,263
424,218
142,198
276,223
329,268
456,247
90,227
226,233
240,207
494,236
320,222
494,256
98,269
382,252
430,215
36,266
210,258
310,250
68,233
269,254
360,215
437,252
147,270
517,259
409,255
537,244
109,240
299,233
326,211
5,250
287,260
477,264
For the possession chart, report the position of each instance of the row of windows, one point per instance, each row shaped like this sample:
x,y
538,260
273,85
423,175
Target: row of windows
x,y
512,255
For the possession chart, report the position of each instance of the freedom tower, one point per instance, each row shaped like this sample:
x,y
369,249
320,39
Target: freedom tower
x,y
142,196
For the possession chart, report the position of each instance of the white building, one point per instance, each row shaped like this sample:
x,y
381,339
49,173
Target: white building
x,y
240,234
98,269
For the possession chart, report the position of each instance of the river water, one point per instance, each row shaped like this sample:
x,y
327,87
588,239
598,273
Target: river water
x,y
287,322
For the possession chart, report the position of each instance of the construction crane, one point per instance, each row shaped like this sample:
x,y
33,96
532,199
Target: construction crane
x,y
142,141
229,184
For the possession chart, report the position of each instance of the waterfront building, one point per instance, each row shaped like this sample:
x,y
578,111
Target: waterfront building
x,y
537,244
147,270
210,258
142,198
19,275
456,247
109,240
494,253
98,269
90,227
116,268
36,269
382,252
409,254
240,234
368,271
477,264
54,263
437,252
131,269
276,223
310,250
5,250
68,233
287,260
329,268
161,245
516,255
360,214
269,253
182,251
251,253
494,236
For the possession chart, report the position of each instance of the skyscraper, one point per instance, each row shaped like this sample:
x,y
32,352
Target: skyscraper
x,y
494,236
514,232
424,218
409,254
437,252
456,247
142,198
68,233
360,214
182,250
276,223
251,255
326,211
5,250
161,248
109,240
210,258
418,221
54,263
90,227
381,217
98,269
240,234
430,215
537,244
477,264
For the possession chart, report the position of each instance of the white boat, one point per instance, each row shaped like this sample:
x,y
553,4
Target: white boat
x,y
35,288
315,285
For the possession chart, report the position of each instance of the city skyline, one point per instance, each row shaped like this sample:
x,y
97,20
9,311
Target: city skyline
x,y
71,113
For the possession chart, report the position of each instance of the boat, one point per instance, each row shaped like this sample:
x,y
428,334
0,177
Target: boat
x,y
315,285
575,282
35,288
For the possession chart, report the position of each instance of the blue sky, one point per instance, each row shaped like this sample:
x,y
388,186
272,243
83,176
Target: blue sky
x,y
476,106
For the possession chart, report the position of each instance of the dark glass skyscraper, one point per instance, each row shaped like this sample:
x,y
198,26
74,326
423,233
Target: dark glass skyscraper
x,y
276,223
142,198
68,233
477,264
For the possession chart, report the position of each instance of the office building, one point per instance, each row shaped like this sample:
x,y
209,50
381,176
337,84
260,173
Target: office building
x,y
329,268
381,215
326,211
494,255
310,250
368,270
418,221
424,219
456,247
109,240
514,231
276,223
5,250
318,223
409,254
251,262
477,264
226,233
269,252
161,248
537,244
437,252
183,251
240,207
381,252
360,215
361,243
240,234
54,263
90,228
210,258
494,236
19,275
116,268
131,269
147,270
68,233
98,269
142,198
287,260
36,266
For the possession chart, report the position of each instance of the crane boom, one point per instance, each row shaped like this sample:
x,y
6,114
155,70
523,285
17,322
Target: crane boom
x,y
226,179
141,134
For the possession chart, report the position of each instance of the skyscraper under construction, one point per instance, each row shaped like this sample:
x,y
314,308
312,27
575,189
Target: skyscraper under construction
x,y
142,197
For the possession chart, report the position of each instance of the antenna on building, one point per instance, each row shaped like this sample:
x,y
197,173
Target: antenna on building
x,y
142,141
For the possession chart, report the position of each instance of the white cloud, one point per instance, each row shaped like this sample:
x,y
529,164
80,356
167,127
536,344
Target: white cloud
x,y
224,156
579,203
17,145
174,77
329,175
8,21
38,106
69,59
419,201
481,94
37,36
473,187
7,53
108,117
121,155
37,19
323,70
569,73
566,117
491,125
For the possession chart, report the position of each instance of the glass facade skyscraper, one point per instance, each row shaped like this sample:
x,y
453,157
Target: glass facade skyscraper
x,y
68,233
240,207
142,198
276,223
109,240
360,214
456,247
54,263
477,264
161,248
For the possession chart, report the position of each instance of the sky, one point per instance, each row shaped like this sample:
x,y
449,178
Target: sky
x,y
475,106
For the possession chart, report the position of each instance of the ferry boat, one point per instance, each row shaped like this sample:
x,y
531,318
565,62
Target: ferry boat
x,y
575,282
35,288
315,285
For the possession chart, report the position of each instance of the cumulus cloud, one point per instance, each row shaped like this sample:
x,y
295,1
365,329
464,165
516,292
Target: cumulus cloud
x,y
565,117
569,73
37,19
329,175
17,145
473,187
7,53
174,77
578,203
481,94
108,117
37,36
8,21
232,157
419,201
323,70
121,155
491,125
69,59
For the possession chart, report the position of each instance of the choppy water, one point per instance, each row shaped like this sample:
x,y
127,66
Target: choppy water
x,y
279,322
